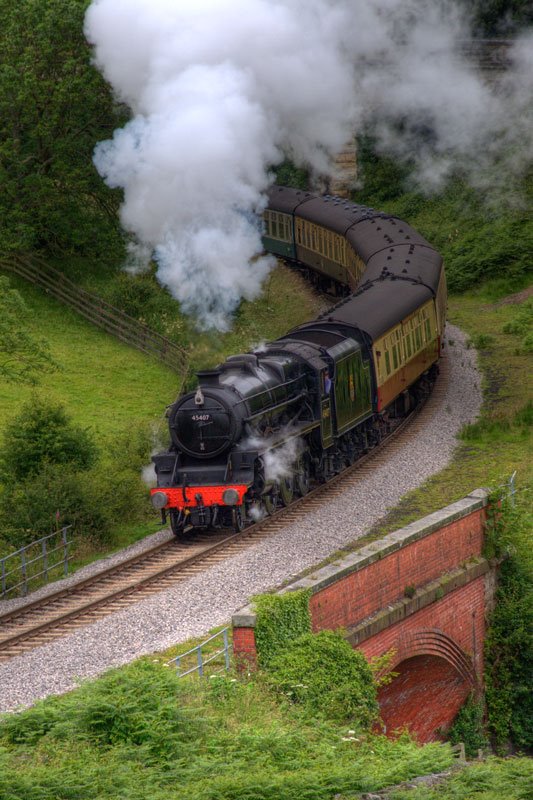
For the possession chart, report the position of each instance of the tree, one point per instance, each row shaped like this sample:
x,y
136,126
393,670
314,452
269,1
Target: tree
x,y
54,108
43,434
22,354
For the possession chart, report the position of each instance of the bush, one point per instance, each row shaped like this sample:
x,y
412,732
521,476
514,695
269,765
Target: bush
x,y
509,642
54,497
42,433
468,728
322,673
281,618
138,706
91,500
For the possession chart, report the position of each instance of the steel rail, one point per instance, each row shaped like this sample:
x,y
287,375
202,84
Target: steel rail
x,y
148,584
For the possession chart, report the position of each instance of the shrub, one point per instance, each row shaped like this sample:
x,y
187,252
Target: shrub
x,y
281,618
138,706
44,502
467,727
42,433
327,677
509,642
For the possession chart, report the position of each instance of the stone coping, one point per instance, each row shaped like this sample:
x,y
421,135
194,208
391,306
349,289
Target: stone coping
x,y
375,551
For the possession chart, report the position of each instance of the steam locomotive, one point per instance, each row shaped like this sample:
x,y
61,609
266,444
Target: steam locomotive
x,y
263,426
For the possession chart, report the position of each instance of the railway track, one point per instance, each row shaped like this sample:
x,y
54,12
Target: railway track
x,y
115,588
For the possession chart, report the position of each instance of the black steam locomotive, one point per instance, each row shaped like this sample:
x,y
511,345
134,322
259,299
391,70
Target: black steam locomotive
x,y
264,425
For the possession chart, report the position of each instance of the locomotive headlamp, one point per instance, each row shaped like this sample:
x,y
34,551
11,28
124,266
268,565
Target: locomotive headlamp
x,y
230,497
159,499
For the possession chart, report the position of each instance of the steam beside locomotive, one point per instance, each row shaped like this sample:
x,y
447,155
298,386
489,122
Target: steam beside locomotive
x,y
262,426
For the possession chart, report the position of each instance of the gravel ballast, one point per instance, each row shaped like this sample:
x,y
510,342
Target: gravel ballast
x,y
194,606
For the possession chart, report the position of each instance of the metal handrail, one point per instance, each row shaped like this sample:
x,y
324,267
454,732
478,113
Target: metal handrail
x,y
23,559
202,661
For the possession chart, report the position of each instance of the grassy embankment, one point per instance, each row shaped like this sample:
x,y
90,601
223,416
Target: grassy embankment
x,y
141,732
138,732
119,394
488,261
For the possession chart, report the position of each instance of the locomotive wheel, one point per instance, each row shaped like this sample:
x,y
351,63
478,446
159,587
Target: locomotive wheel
x,y
237,519
177,523
350,454
268,502
301,476
286,491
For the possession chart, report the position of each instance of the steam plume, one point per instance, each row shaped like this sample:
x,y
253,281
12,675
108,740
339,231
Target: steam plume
x,y
221,90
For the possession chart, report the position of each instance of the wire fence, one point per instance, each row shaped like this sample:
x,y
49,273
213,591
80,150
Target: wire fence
x,y
98,311
44,560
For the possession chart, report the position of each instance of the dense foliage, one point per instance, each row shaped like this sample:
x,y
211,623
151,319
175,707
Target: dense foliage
x,y
52,474
499,17
280,619
327,677
495,779
509,643
140,732
42,433
54,108
468,727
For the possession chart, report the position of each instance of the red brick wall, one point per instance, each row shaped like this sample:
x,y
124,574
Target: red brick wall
x,y
357,596
460,615
244,648
424,698
432,686
439,649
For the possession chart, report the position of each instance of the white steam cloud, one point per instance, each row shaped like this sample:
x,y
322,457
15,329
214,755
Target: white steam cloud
x,y
221,90
280,462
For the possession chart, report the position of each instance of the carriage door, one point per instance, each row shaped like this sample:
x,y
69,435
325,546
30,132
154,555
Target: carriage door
x,y
325,405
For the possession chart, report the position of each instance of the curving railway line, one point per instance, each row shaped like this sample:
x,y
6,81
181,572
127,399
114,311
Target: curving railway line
x,y
115,588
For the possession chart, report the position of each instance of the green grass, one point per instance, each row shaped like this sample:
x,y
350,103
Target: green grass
x,y
139,732
495,779
105,385
108,386
119,395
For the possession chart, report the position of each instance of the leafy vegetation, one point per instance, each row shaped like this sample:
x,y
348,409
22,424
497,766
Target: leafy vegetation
x,y
112,397
280,619
468,727
494,779
141,732
23,356
509,643
327,677
42,433
54,107
498,17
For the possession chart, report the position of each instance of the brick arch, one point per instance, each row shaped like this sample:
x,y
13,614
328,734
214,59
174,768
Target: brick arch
x,y
435,676
435,642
